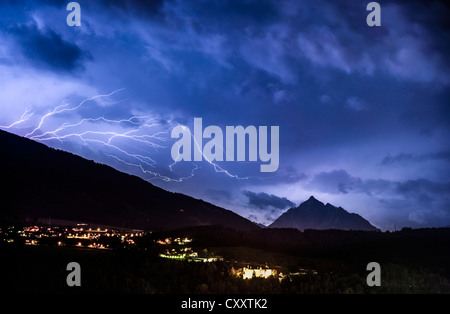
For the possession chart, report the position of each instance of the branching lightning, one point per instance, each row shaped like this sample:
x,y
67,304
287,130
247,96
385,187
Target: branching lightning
x,y
217,168
25,116
127,141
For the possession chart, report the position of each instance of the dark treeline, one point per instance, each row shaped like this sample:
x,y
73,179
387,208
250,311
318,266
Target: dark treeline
x,y
413,242
418,248
42,270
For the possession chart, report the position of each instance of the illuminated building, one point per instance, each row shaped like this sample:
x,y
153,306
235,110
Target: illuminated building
x,y
248,273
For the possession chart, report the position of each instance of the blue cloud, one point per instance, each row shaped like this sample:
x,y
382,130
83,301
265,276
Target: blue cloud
x,y
264,201
412,158
45,48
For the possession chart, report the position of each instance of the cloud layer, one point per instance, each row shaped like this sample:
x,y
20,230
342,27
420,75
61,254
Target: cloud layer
x,y
363,111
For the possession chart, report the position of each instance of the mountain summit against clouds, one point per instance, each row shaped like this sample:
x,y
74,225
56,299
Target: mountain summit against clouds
x,y
313,214
39,182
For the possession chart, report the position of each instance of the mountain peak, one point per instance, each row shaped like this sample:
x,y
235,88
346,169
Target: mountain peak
x,y
313,214
312,200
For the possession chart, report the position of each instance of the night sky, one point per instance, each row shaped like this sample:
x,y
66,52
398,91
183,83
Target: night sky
x,y
363,112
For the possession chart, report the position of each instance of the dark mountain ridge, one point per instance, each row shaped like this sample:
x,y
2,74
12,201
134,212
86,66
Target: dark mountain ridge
x,y
313,214
39,182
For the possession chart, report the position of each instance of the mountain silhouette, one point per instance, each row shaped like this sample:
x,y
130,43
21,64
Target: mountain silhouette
x,y
39,182
313,214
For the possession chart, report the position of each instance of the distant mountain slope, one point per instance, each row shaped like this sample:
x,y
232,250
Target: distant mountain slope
x,y
41,182
313,214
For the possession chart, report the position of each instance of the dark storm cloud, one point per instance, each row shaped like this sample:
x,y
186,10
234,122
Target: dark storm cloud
x,y
337,181
434,16
404,157
412,188
149,8
264,200
284,175
45,48
341,182
268,205
145,7
418,202
239,13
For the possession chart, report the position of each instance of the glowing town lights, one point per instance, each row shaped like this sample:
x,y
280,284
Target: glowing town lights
x,y
249,273
68,236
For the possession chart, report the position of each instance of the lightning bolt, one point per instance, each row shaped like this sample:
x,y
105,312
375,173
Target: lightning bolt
x,y
25,117
63,108
141,135
155,174
216,167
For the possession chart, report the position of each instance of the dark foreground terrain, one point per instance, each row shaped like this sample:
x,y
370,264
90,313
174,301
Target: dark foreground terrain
x,y
412,261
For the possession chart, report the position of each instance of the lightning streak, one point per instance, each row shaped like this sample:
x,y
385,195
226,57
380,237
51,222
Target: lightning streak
x,y
145,132
25,116
217,168
58,110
